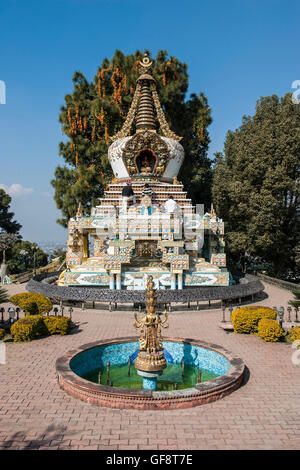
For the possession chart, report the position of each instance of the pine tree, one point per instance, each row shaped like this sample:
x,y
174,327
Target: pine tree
x,y
7,224
96,110
256,185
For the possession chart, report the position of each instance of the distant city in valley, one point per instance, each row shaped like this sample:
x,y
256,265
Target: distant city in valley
x,y
49,246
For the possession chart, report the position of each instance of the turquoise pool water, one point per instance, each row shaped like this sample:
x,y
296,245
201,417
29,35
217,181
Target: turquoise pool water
x,y
90,362
118,374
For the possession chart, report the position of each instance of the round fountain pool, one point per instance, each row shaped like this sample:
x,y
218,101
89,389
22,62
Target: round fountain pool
x,y
221,373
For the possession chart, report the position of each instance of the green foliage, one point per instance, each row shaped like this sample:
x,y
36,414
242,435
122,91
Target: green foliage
x,y
7,224
294,333
57,325
296,302
18,262
269,330
256,184
9,228
28,328
3,296
2,333
33,326
245,319
96,110
32,304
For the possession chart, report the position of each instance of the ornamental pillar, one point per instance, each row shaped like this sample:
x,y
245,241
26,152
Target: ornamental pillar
x,y
118,279
180,281
112,281
85,237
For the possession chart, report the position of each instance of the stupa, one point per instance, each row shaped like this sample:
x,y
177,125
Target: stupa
x,y
179,248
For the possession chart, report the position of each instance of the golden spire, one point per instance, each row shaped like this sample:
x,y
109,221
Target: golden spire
x,y
145,107
145,118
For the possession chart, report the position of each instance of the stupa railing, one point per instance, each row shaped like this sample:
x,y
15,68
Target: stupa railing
x,y
134,222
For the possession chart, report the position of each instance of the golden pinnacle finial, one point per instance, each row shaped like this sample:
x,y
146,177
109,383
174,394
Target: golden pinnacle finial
x,y
146,69
146,62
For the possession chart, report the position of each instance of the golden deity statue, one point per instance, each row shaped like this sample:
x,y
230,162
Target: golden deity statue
x,y
151,353
79,212
212,211
146,166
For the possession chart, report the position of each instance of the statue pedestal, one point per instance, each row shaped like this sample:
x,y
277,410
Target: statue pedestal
x,y
149,379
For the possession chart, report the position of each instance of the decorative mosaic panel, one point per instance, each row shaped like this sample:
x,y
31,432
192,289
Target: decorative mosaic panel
x,y
218,259
136,280
206,279
99,279
149,384
119,353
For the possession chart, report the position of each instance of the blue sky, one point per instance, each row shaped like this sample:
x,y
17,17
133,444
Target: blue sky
x,y
236,52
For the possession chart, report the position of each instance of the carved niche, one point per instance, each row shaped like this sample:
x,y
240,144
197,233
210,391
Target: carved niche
x,y
150,147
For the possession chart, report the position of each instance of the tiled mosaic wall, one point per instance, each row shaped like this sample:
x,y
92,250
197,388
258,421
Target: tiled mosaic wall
x,y
120,352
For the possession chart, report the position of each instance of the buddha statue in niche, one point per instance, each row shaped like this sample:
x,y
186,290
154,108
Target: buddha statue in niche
x,y
146,166
146,162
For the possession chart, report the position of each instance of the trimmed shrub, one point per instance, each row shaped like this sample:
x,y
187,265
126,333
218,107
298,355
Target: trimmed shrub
x,y
33,326
269,330
294,333
2,333
28,328
245,319
32,304
57,325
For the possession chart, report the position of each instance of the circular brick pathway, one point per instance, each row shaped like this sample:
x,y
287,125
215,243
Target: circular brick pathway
x,y
263,414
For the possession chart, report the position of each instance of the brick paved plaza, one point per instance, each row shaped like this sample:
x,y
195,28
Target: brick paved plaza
x,y
263,414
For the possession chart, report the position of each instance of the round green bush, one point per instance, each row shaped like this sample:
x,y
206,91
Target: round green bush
x,y
28,328
31,303
33,326
269,330
245,319
57,325
294,333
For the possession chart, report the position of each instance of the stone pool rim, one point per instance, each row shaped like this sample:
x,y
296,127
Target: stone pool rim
x,y
114,397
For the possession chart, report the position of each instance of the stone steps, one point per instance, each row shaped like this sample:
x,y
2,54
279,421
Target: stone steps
x,y
175,187
161,192
114,202
179,195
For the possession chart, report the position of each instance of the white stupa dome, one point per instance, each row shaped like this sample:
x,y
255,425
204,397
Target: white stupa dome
x,y
116,156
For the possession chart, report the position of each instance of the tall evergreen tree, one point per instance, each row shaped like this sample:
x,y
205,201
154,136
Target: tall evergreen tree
x,y
9,228
7,224
96,110
256,184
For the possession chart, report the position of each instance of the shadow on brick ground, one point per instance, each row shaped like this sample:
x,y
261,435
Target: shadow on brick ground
x,y
53,436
